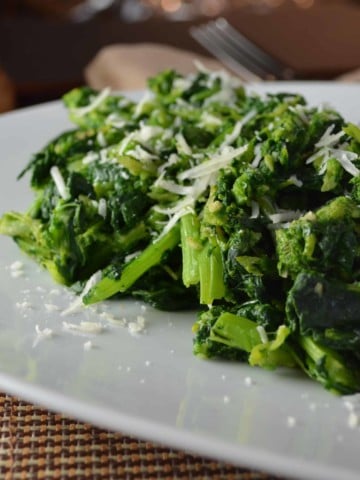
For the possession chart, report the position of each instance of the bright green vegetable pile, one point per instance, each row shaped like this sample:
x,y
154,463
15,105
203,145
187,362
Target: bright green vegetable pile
x,y
205,196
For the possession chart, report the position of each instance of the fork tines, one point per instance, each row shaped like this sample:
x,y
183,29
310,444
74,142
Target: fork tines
x,y
238,53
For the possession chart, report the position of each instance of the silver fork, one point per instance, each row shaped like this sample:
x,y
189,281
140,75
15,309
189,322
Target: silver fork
x,y
238,53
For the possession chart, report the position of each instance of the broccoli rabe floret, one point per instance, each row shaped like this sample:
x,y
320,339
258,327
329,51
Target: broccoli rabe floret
x,y
325,240
74,242
68,147
89,108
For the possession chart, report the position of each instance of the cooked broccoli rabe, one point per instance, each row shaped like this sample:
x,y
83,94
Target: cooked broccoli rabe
x,y
203,195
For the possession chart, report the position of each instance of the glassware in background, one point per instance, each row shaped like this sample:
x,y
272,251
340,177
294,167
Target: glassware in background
x,y
89,9
185,10
176,10
131,11
275,3
75,10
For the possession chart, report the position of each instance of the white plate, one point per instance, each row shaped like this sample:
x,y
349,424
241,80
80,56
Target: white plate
x,y
151,385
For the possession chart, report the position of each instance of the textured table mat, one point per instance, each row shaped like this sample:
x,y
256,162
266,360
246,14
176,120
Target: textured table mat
x,y
38,444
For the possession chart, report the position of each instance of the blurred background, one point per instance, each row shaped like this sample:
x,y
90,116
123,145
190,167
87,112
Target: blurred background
x,y
45,44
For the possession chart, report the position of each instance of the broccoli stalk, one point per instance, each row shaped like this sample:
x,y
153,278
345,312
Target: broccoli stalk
x,y
191,248
236,332
274,353
328,367
239,334
211,273
202,261
152,255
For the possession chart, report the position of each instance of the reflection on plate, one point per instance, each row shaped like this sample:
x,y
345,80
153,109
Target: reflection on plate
x,y
149,384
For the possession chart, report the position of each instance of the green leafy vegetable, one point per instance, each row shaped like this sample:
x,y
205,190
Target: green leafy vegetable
x,y
202,195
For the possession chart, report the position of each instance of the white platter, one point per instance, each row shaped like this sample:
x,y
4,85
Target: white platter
x,y
151,385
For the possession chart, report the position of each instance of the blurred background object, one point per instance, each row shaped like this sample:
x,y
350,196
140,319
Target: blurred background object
x,y
45,45
140,9
7,93
112,68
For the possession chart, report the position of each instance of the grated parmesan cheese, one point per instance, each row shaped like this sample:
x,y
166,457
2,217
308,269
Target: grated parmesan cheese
x,y
291,422
172,160
17,265
108,317
147,132
25,305
255,209
101,139
50,307
285,216
82,111
141,154
301,111
77,304
353,420
293,179
17,273
327,151
208,119
248,381
218,161
173,187
262,333
182,145
59,182
182,83
319,289
141,104
142,135
125,142
102,207
88,345
352,404
329,139
90,157
229,139
258,156
174,219
84,327
45,333
225,96
115,121
137,327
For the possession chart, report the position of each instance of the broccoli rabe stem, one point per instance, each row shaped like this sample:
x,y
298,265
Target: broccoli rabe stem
x,y
274,353
191,248
353,130
201,263
239,334
235,331
151,256
211,273
327,367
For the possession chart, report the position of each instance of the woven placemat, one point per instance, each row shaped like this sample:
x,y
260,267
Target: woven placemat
x,y
38,444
